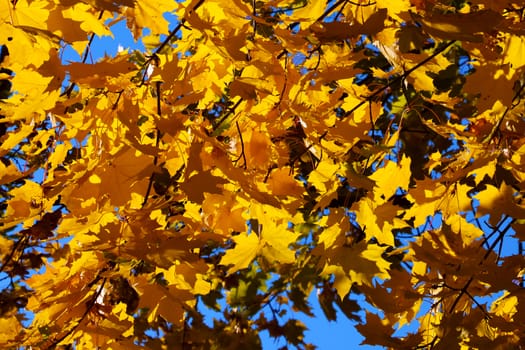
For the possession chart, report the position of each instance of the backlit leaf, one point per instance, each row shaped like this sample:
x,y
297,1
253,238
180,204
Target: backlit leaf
x,y
246,249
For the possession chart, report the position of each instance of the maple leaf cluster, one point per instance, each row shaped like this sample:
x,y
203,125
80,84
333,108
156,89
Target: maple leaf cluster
x,y
256,151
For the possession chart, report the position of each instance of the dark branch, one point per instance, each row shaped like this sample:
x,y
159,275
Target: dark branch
x,y
490,250
230,111
243,155
494,130
399,78
157,141
72,85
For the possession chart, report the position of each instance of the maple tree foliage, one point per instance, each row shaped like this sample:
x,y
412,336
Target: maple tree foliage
x,y
255,152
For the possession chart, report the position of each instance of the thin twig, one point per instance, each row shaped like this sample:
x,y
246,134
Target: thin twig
x,y
330,10
471,298
500,237
270,168
341,9
157,141
362,5
230,111
490,250
494,231
165,42
119,95
243,155
285,77
520,252
72,85
321,18
173,32
399,78
481,307
21,242
492,134
429,344
254,22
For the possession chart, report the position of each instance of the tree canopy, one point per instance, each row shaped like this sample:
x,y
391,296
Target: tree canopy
x,y
254,152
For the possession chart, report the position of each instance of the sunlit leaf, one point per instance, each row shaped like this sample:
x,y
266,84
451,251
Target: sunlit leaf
x,y
246,249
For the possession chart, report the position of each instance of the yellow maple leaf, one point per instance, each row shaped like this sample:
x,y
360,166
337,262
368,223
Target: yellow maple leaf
x,y
324,174
87,260
202,182
514,51
246,248
461,26
258,146
282,183
499,201
217,207
505,306
370,216
10,327
27,200
395,7
389,178
89,21
168,302
32,14
359,263
59,154
270,238
150,14
9,173
308,14
128,171
276,241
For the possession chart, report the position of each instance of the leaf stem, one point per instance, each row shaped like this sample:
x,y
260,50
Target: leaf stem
x,y
243,155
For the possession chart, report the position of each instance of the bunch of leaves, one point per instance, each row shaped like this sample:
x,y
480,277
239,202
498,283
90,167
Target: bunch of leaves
x,y
257,151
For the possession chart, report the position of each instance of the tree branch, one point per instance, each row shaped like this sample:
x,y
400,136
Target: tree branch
x,y
72,85
19,245
490,250
174,31
227,114
399,78
243,155
494,130
157,141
